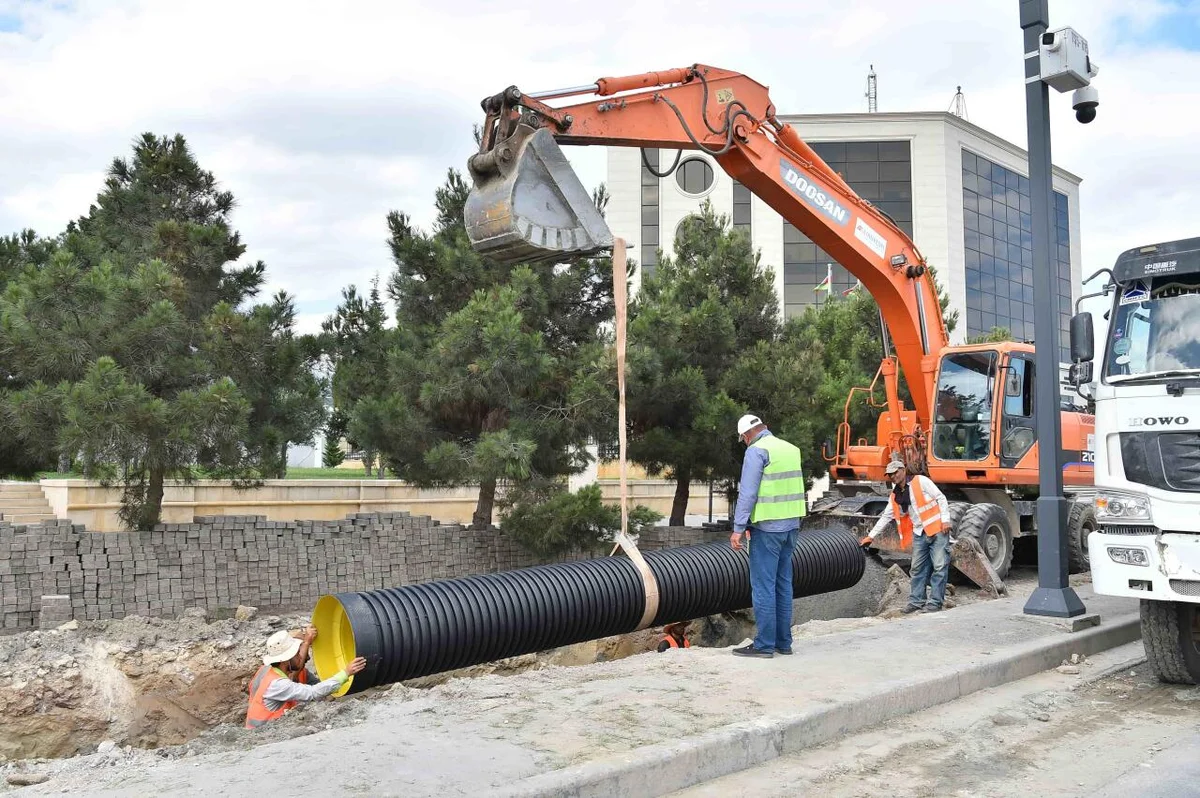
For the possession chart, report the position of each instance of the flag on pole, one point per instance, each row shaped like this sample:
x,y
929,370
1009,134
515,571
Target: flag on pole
x,y
852,288
827,283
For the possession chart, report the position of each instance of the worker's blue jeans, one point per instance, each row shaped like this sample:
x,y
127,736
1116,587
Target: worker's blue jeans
x,y
771,587
930,568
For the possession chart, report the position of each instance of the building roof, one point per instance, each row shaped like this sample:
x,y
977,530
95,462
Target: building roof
x,y
926,116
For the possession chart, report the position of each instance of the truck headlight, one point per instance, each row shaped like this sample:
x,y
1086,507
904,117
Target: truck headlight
x,y
1129,555
1116,507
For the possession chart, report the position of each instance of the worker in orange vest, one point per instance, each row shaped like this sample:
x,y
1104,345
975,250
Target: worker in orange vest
x,y
284,679
674,636
922,515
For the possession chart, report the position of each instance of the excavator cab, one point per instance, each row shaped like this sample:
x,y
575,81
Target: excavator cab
x,y
527,205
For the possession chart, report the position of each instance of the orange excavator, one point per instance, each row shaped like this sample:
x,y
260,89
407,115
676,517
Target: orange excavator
x,y
971,426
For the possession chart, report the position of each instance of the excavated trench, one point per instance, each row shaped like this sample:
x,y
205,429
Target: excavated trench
x,y
178,685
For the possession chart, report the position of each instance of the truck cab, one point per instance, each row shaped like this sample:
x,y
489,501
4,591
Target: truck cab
x,y
1146,391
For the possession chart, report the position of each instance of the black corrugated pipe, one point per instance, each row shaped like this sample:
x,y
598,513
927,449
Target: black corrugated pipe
x,y
418,630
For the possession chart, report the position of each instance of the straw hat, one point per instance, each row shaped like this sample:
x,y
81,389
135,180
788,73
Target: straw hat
x,y
281,647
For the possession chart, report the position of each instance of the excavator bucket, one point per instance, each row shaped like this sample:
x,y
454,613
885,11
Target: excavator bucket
x,y
966,555
527,204
969,558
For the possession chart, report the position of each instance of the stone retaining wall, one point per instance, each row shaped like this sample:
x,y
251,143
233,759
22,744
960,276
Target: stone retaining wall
x,y
222,561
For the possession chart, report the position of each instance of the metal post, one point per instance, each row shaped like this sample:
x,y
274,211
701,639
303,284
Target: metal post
x,y
1054,595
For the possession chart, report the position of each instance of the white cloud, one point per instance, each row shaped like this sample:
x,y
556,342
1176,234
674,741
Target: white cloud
x,y
322,117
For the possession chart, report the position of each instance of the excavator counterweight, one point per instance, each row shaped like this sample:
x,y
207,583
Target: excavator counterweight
x,y
527,205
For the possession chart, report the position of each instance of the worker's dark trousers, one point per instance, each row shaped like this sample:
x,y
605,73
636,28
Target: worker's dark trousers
x,y
771,587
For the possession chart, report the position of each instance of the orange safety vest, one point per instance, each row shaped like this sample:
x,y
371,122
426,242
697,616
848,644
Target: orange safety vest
x,y
671,642
927,511
256,712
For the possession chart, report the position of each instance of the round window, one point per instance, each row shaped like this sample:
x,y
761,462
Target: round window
x,y
691,218
695,176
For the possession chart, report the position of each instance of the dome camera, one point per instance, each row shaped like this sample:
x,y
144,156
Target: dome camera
x,y
1084,101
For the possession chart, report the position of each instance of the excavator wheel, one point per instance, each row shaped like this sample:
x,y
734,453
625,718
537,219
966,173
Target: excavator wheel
x,y
988,525
957,510
1080,523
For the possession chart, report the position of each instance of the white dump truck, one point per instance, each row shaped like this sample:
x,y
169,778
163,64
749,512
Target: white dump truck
x,y
1146,392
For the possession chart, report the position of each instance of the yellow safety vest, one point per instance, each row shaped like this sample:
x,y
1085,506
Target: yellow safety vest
x,y
781,491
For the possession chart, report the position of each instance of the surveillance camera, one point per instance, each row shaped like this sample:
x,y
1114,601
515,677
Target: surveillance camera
x,y
1084,101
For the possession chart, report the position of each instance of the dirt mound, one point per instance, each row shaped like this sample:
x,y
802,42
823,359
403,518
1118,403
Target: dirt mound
x,y
137,681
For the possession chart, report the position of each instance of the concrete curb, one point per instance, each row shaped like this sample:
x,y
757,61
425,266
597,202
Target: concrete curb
x,y
666,767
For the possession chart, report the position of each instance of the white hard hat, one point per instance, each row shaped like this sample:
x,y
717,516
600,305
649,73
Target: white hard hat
x,y
281,647
747,423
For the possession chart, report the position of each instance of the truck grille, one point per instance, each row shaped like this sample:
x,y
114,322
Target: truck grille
x,y
1186,587
1180,454
1123,529
1164,460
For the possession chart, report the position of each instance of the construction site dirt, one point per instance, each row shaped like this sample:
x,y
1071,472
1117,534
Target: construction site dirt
x,y
87,695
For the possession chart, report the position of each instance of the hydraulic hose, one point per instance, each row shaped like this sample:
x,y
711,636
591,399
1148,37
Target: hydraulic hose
x,y
438,626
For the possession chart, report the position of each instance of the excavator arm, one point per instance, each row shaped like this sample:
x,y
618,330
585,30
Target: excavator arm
x,y
528,205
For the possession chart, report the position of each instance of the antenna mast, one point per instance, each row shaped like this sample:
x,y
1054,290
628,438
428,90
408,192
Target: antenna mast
x,y
872,94
958,106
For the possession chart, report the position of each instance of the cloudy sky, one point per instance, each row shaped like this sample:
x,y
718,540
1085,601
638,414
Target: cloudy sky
x,y
322,117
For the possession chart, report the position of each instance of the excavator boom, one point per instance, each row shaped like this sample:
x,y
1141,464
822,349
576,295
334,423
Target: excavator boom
x,y
528,205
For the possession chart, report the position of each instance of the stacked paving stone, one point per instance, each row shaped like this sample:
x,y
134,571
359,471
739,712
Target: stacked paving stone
x,y
33,564
51,573
668,537
54,612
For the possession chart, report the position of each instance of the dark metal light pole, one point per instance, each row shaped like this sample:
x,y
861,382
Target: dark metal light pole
x,y
1054,595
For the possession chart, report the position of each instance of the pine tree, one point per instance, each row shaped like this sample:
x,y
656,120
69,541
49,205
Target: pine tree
x,y
496,374
138,363
704,310
332,456
357,340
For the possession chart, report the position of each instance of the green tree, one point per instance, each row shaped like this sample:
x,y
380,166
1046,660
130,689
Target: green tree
x,y
130,347
275,370
497,372
704,310
993,336
26,410
832,349
98,345
550,521
357,340
332,455
21,250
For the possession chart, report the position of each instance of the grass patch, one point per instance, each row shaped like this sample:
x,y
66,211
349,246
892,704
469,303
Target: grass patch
x,y
329,473
292,473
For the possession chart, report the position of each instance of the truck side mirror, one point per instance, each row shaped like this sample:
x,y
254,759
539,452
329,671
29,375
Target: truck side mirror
x,y
827,450
1080,374
1082,344
1013,383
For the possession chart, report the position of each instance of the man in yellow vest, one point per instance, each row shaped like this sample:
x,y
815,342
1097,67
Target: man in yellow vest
x,y
922,515
284,679
769,508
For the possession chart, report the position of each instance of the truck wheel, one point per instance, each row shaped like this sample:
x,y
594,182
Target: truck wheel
x,y
988,524
1171,637
1080,523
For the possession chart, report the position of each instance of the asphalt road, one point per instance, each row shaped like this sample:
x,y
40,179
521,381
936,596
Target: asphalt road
x,y
1173,773
1055,734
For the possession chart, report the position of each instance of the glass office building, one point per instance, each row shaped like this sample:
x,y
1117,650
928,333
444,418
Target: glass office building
x,y
961,192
